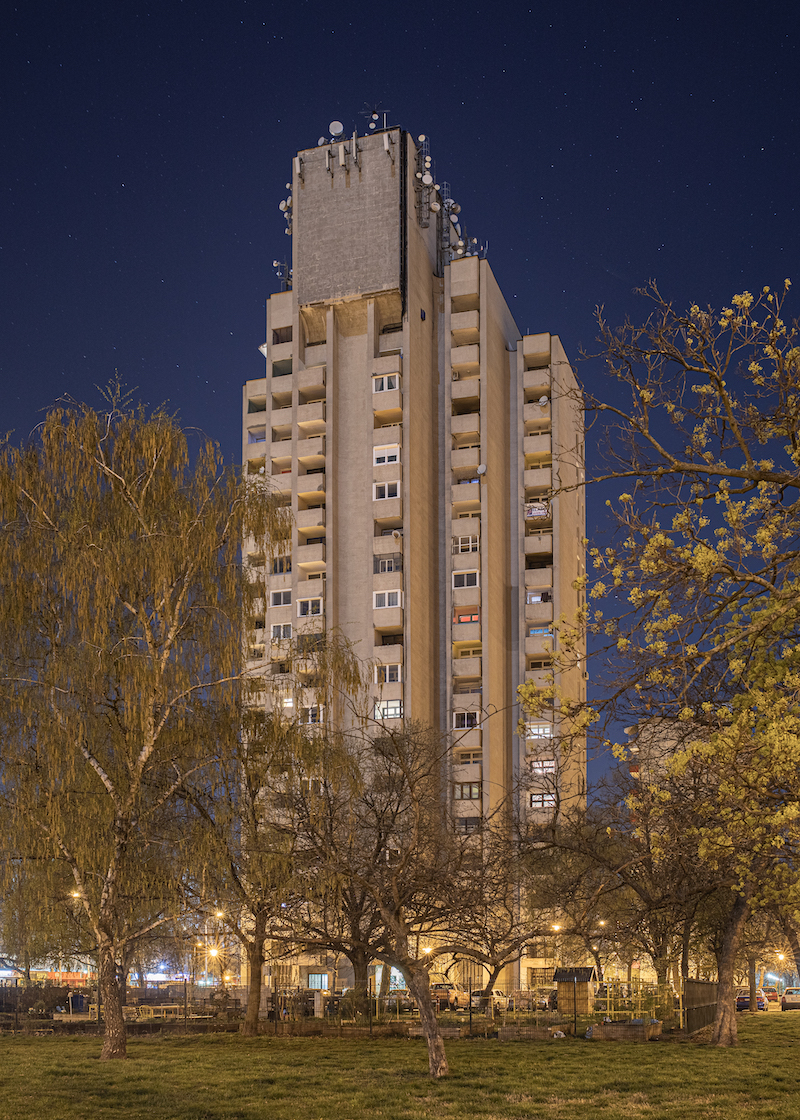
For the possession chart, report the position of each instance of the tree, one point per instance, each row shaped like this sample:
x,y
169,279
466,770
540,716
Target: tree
x,y
121,613
371,819
702,584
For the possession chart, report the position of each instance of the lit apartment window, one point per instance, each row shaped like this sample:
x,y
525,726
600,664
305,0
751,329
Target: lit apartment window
x,y
384,490
311,715
257,435
543,767
464,720
387,674
388,709
463,617
468,758
281,632
387,599
470,543
465,579
467,791
281,565
383,384
384,455
543,801
308,607
538,597
470,651
538,731
540,632
281,598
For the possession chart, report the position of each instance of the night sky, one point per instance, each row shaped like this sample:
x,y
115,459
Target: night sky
x,y
144,149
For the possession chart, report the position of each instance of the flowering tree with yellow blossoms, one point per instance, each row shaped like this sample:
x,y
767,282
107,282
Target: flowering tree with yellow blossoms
x,y
697,603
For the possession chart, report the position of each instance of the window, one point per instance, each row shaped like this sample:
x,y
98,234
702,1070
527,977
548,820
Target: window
x,y
256,653
388,709
392,563
283,368
387,599
281,565
391,639
281,598
383,455
464,720
536,511
396,532
383,384
467,791
385,490
540,632
281,632
465,579
281,668
540,664
469,543
466,616
543,767
538,597
311,715
538,731
543,801
387,674
257,435
470,651
281,335
467,758
318,981
308,607
468,824
258,623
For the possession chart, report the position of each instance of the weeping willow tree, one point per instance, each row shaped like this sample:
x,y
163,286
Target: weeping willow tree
x,y
121,607
240,847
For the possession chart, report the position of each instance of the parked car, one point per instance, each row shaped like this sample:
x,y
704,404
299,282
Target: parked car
x,y
496,998
399,999
790,1000
771,992
743,1000
446,994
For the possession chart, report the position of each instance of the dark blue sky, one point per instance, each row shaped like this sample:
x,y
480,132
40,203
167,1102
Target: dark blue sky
x,y
144,149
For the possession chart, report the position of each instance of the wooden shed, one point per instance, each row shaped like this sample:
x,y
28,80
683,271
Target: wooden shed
x,y
575,990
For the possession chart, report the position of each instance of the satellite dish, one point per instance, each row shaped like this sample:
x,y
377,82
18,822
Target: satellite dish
x,y
372,124
321,141
482,469
544,400
435,207
427,179
281,205
336,128
396,534
421,138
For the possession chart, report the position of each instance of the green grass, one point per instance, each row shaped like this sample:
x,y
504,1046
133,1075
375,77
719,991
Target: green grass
x,y
225,1077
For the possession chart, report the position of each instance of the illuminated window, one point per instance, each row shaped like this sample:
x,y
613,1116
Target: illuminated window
x,y
542,800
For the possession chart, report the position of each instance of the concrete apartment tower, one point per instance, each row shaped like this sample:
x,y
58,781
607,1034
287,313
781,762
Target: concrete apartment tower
x,y
419,438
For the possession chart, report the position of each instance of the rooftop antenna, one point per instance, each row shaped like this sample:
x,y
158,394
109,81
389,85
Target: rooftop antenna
x,y
284,273
375,113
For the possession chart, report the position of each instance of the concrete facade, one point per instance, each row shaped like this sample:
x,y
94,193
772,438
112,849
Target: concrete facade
x,y
432,457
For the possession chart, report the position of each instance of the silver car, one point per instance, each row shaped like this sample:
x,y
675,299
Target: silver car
x,y
790,1000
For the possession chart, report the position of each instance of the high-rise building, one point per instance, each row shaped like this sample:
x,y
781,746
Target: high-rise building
x,y
432,456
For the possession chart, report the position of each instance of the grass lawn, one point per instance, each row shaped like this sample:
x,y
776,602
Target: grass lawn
x,y
225,1077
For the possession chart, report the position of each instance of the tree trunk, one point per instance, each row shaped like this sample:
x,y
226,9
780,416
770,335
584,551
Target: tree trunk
x,y
686,936
724,1031
114,1037
794,942
360,962
386,979
255,961
751,980
419,985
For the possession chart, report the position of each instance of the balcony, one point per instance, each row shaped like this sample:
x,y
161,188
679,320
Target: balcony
x,y
537,544
466,388
465,328
538,612
385,619
310,418
471,737
466,632
388,655
311,451
468,424
466,497
467,666
386,364
388,512
536,415
539,577
283,481
310,557
311,380
538,646
538,479
541,678
315,354
538,446
466,596
388,407
465,458
310,486
391,342
536,382
311,522
281,418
